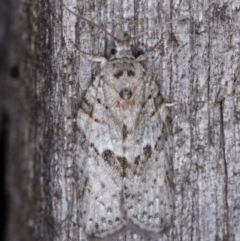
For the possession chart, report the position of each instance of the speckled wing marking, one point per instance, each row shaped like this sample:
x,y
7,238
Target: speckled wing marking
x,y
103,183
123,120
147,191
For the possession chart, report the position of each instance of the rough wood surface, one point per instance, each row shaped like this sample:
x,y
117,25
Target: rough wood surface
x,y
197,67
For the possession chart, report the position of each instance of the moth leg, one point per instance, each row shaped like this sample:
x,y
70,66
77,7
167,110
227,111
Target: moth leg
x,y
150,52
88,56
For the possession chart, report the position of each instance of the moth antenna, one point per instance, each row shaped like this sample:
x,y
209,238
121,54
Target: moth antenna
x,y
90,22
88,56
172,21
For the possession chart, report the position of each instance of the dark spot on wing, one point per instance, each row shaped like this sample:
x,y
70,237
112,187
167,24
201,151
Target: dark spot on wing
x,y
136,161
92,146
150,217
124,132
108,156
165,180
130,73
86,182
150,204
158,100
124,164
137,171
98,101
125,94
103,220
147,151
96,225
91,115
120,163
153,113
96,120
117,219
118,74
86,107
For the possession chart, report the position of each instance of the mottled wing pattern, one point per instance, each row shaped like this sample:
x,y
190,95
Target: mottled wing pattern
x,y
127,181
103,184
148,197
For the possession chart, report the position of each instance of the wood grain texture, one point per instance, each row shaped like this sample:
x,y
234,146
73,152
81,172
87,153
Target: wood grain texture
x,y
197,67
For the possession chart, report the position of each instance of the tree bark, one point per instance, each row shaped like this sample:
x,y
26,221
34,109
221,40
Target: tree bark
x,y
43,80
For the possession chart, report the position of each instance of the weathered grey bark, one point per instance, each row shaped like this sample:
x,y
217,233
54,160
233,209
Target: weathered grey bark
x,y
198,67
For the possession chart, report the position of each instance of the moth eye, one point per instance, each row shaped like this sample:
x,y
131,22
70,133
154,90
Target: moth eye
x,y
136,51
113,51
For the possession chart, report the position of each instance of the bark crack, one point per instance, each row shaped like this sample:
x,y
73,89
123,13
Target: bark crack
x,y
222,144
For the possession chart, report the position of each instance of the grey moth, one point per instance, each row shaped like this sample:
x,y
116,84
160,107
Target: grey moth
x,y
127,172
122,118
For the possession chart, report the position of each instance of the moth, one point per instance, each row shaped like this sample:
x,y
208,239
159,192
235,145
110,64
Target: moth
x,y
127,172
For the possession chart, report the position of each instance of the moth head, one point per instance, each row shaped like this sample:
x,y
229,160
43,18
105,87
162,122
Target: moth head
x,y
119,50
122,49
121,46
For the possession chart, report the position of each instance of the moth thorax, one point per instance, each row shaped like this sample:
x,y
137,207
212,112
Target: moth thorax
x,y
123,49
